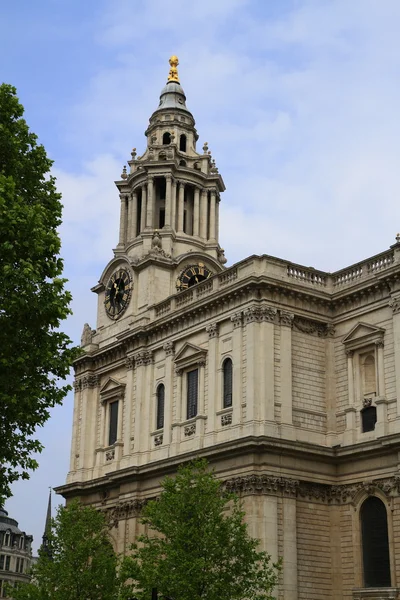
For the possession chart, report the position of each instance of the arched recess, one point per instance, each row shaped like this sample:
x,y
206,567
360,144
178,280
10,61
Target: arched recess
x,y
375,543
367,490
182,143
227,383
166,138
160,406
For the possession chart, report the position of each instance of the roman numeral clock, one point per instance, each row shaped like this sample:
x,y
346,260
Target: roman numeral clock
x,y
118,293
192,275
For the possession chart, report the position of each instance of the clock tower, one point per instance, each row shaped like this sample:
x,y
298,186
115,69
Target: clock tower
x,y
170,195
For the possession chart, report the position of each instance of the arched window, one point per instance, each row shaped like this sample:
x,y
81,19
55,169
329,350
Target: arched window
x,y
227,393
182,143
160,406
375,543
182,163
166,138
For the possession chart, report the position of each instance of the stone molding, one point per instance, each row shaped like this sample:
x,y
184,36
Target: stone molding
x,y
394,303
87,381
143,358
212,330
237,320
286,318
169,348
258,314
313,327
262,484
123,510
130,362
341,494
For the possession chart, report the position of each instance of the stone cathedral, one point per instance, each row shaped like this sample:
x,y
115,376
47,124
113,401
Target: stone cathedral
x,y
286,378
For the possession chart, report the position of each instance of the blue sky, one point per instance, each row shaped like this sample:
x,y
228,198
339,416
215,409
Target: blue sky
x,y
298,100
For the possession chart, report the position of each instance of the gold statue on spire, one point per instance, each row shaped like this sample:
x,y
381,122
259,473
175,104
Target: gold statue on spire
x,y
173,72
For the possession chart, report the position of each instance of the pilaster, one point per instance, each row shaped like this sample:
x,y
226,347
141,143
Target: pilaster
x,y
394,303
237,340
169,391
286,322
289,548
214,402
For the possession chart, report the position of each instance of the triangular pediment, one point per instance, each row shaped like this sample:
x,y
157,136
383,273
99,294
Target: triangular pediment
x,y
363,334
189,354
112,388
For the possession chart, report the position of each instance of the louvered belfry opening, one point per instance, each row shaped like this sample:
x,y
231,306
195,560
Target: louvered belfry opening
x,y
192,393
375,543
227,370
160,406
112,437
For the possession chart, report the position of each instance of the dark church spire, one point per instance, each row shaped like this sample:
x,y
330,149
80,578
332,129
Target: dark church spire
x,y
47,528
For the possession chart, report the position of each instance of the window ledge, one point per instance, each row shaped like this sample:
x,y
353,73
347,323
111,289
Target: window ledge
x,y
376,593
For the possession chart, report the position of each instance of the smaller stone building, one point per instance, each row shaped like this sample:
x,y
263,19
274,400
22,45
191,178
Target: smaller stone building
x,y
15,553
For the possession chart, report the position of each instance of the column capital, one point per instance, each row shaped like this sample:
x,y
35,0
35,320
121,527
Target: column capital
x,y
168,176
212,330
394,303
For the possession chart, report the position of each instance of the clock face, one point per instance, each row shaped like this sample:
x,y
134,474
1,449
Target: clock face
x,y
192,275
118,293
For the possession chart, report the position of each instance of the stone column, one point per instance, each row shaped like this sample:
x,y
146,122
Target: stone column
x,y
289,569
350,411
130,363
89,401
76,422
181,203
168,200
140,362
254,365
267,373
213,214
196,213
134,215
173,205
203,214
286,322
150,212
169,391
395,304
144,208
122,220
176,430
217,219
237,392
214,402
148,416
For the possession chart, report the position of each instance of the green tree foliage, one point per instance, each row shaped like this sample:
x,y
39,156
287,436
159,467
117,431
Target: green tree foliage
x,y
198,546
80,563
34,354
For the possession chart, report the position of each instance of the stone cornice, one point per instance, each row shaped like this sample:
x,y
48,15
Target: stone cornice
x,y
269,485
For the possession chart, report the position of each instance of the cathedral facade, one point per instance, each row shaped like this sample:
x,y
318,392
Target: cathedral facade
x,y
286,378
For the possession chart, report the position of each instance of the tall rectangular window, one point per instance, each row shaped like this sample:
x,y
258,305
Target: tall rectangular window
x,y
113,429
7,563
1,562
192,393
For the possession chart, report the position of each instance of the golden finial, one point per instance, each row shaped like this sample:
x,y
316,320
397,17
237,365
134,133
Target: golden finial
x,y
173,72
